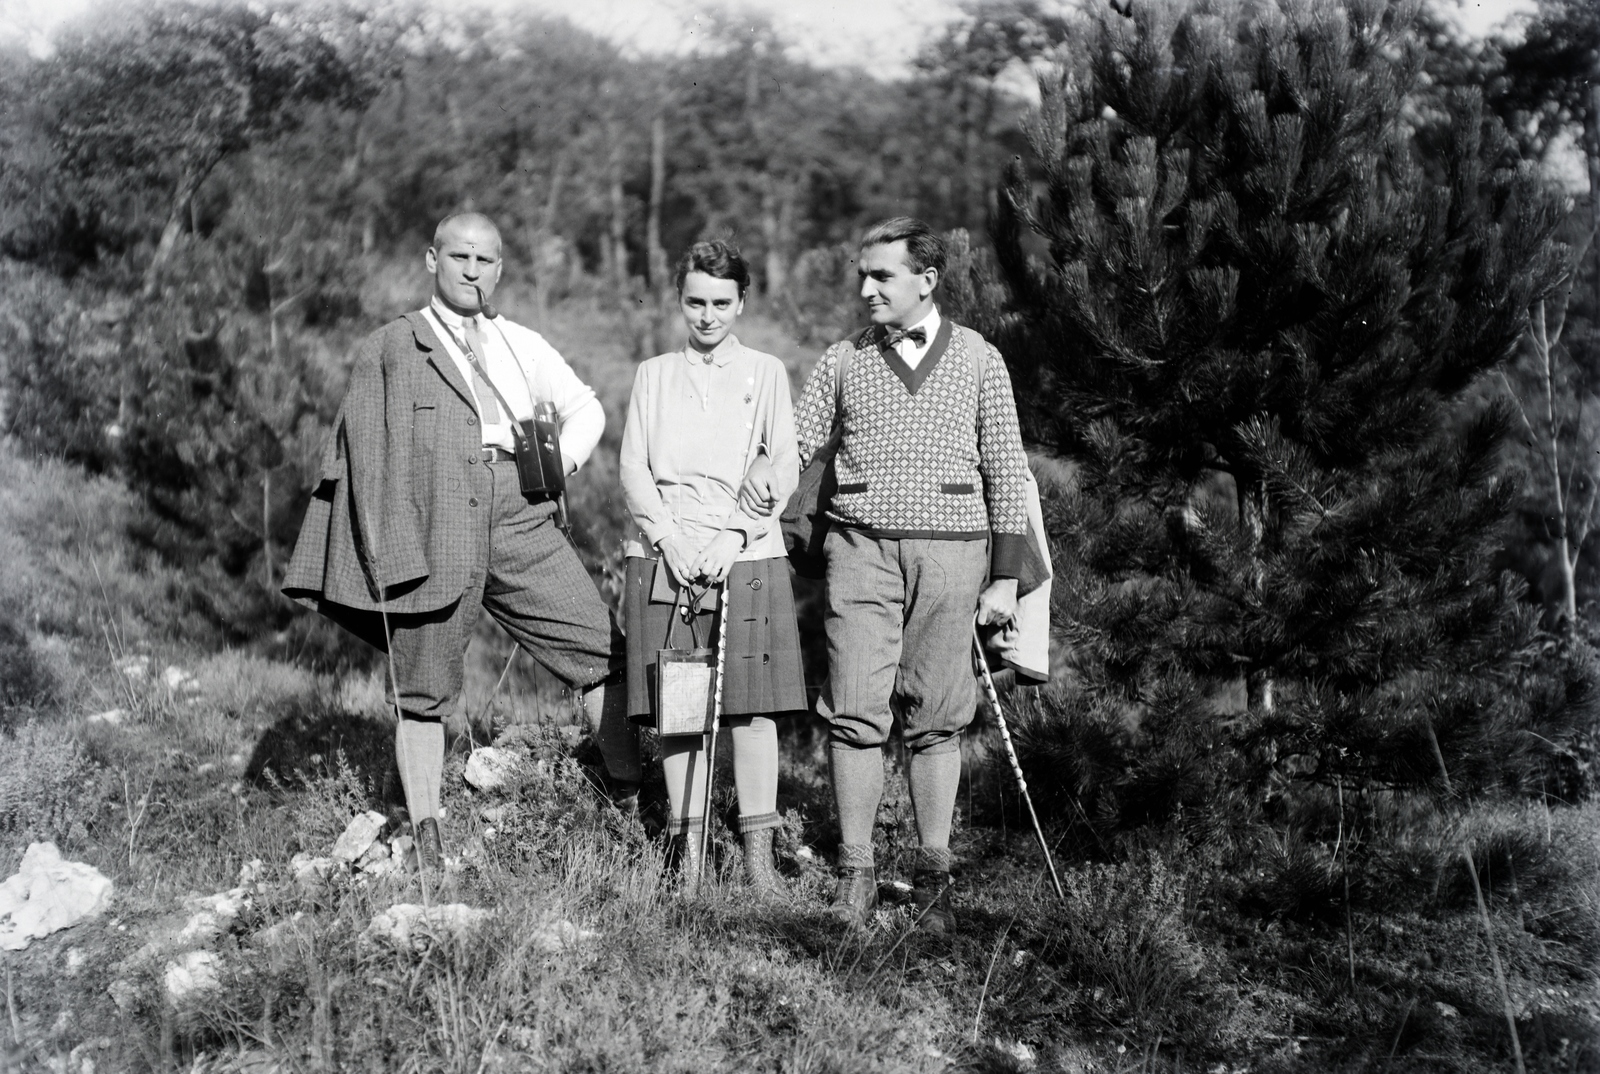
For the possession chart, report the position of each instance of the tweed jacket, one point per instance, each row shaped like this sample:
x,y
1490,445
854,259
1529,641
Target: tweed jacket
x,y
394,515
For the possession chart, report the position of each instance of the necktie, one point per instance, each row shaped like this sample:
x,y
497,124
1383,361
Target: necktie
x,y
480,378
918,336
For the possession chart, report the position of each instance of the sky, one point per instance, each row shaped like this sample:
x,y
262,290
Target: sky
x,y
881,35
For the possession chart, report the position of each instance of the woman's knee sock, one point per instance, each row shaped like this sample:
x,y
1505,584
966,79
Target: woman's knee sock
x,y
683,762
755,771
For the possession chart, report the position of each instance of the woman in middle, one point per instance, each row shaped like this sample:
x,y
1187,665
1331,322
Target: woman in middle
x,y
698,419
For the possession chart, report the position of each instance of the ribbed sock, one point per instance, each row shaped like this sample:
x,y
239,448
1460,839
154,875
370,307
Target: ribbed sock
x,y
606,707
935,778
857,788
419,754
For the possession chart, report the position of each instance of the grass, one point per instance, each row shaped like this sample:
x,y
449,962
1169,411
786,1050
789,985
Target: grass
x,y
1172,953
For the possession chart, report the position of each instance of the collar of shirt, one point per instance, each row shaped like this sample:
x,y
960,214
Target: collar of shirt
x,y
720,355
452,319
910,352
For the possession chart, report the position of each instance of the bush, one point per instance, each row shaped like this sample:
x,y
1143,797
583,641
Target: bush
x,y
43,779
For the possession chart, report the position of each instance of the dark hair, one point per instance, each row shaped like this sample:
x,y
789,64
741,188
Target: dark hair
x,y
924,247
716,258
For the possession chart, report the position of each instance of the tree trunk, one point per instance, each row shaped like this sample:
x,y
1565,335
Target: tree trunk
x,y
619,226
658,189
266,526
177,218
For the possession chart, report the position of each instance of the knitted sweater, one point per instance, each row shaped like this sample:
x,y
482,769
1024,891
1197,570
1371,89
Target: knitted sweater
x,y
924,453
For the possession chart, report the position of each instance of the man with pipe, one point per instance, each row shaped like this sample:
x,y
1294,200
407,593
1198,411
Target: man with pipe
x,y
420,519
929,528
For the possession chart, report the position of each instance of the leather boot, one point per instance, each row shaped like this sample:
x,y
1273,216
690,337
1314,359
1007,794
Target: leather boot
x,y
758,868
430,848
855,895
685,850
930,889
930,898
625,796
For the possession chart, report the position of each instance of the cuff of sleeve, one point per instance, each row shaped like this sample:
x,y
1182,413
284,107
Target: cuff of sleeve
x,y
655,534
746,527
1007,553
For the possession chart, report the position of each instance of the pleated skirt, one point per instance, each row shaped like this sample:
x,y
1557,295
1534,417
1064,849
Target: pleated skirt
x,y
762,669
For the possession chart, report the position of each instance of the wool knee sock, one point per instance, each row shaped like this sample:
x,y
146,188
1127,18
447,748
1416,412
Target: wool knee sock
x,y
683,763
755,772
934,777
606,706
419,754
857,787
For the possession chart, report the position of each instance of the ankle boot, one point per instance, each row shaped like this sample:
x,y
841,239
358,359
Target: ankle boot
x,y
930,899
930,890
758,868
855,895
625,796
685,850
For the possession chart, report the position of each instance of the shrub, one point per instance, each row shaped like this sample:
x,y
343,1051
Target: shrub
x,y
43,779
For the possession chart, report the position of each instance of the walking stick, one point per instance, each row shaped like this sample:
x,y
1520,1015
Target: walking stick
x,y
1011,755
716,722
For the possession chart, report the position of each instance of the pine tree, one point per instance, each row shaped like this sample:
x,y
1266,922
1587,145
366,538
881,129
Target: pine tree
x,y
1249,320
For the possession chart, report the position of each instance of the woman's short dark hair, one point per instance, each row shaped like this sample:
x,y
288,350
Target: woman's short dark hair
x,y
924,246
716,258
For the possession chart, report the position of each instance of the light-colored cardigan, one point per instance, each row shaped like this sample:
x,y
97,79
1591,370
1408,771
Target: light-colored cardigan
x,y
693,429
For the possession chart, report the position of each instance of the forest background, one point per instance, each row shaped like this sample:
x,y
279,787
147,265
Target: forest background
x,y
203,208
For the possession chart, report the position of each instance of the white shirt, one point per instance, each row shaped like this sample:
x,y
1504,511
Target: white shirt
x,y
526,369
908,351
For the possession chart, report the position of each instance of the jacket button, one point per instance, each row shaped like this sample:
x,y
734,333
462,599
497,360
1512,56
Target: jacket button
x,y
472,502
472,460
755,583
472,421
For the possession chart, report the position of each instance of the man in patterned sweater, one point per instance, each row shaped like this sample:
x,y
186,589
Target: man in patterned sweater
x,y
930,528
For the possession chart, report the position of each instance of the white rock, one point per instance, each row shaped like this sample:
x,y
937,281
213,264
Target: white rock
x,y
110,717
409,926
311,873
134,667
556,936
495,814
212,915
47,895
358,836
400,846
125,994
489,767
376,854
192,975
75,960
177,678
1446,1010
251,872
1024,1054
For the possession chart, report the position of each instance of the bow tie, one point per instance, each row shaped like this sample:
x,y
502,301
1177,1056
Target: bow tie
x,y
918,336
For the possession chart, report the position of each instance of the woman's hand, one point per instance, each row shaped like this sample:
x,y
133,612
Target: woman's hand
x,y
716,559
758,495
680,559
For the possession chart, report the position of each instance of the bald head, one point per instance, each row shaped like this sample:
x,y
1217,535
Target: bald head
x,y
464,261
470,222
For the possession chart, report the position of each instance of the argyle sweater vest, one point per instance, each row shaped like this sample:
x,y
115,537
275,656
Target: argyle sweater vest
x,y
925,453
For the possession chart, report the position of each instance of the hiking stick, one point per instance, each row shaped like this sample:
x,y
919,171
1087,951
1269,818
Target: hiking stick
x,y
1011,755
716,722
